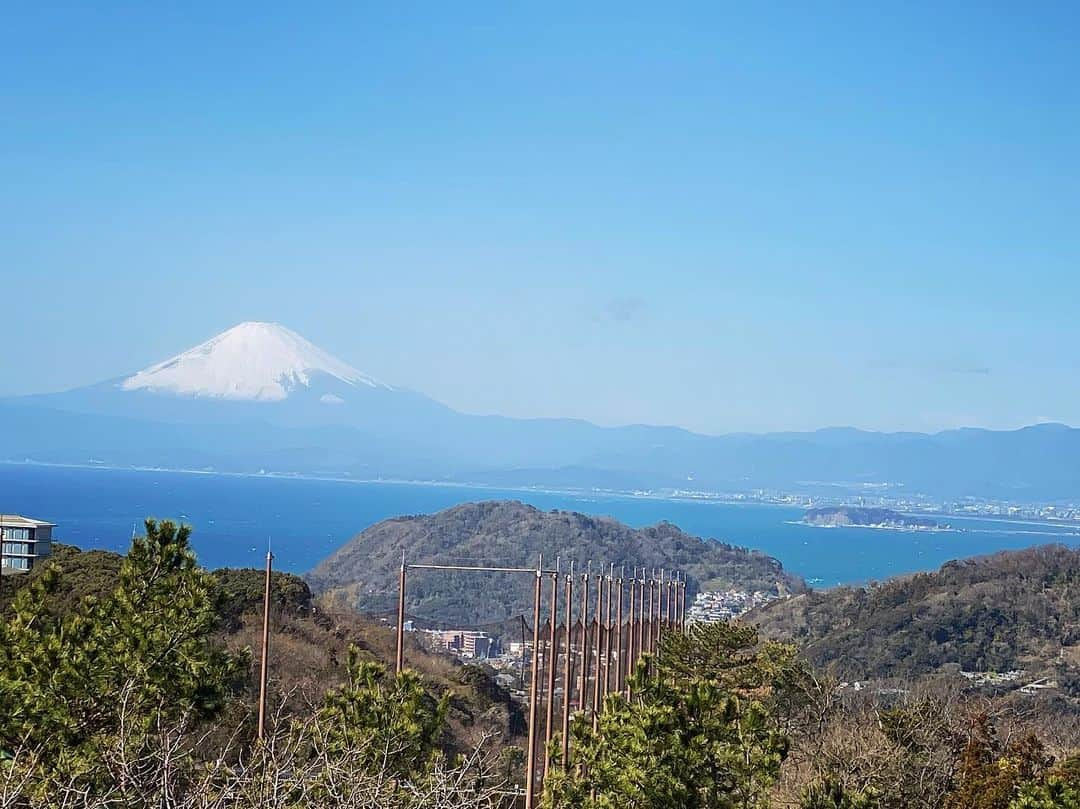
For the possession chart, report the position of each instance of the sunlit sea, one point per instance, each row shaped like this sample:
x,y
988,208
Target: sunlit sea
x,y
305,520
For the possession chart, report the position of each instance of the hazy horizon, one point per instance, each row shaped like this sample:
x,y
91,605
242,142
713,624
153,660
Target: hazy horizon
x,y
726,220
822,428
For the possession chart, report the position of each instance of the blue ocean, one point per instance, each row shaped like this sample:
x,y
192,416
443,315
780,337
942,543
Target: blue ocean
x,y
305,520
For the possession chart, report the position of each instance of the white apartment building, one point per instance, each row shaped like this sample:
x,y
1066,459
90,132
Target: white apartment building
x,y
23,541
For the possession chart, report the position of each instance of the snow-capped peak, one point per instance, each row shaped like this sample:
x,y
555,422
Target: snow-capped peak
x,y
253,361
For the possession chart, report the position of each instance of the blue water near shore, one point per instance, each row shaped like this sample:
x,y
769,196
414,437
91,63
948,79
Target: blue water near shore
x,y
307,519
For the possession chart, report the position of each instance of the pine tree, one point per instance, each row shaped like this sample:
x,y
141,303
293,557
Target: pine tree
x,y
117,668
700,732
392,721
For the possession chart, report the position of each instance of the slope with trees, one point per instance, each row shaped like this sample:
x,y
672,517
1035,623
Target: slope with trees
x,y
1011,610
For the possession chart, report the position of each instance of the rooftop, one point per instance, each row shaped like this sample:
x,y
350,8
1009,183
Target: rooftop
x,y
17,521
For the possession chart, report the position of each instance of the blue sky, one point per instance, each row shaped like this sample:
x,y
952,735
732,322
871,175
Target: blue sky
x,y
781,218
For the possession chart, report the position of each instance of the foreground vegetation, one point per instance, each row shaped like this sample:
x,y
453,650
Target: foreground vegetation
x,y
130,686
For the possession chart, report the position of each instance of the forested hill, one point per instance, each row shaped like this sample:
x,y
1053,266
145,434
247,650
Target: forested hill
x,y
310,643
1011,610
509,533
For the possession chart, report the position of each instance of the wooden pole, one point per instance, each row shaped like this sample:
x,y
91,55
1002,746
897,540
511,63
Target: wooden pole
x,y
609,632
568,668
264,666
619,635
399,659
631,631
641,616
680,617
583,688
530,766
649,634
670,615
678,599
597,644
552,665
660,608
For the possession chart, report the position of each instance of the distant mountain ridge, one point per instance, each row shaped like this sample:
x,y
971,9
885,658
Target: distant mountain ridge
x,y
364,571
261,397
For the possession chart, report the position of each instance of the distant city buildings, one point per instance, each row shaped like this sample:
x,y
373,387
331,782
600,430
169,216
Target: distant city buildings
x,y
712,607
23,542
884,495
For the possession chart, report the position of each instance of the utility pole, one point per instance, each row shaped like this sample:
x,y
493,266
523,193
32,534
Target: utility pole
x,y
631,630
660,608
583,689
599,649
399,660
652,609
610,628
619,633
641,615
530,767
681,609
552,665
568,667
264,666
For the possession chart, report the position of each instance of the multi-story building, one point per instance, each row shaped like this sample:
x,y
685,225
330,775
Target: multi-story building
x,y
467,643
23,542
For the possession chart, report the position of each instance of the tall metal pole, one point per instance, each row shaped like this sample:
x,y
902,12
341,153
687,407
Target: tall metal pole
x,y
678,600
660,607
682,607
619,635
650,634
641,616
399,660
568,667
552,665
597,644
631,631
610,630
264,666
583,688
530,767
669,615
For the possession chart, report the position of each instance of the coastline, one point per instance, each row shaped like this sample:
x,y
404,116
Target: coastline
x,y
909,529
1066,529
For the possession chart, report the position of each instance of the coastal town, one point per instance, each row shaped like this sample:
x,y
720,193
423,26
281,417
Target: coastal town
x,y
874,496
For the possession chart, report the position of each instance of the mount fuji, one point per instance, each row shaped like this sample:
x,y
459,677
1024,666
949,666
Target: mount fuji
x,y
251,361
260,397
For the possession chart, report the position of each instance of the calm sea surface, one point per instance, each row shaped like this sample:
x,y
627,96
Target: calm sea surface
x,y
307,519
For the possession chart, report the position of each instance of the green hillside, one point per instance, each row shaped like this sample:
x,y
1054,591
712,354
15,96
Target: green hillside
x,y
1012,610
364,572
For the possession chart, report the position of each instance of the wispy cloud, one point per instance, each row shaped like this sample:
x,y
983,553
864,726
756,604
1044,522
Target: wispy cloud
x,y
958,367
976,370
625,310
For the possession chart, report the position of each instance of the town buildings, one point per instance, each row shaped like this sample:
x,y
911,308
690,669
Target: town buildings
x,y
467,643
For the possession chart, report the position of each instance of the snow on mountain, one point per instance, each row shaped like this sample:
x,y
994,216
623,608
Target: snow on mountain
x,y
251,361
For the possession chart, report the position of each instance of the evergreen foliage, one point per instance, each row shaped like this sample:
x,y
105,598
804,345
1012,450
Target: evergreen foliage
x,y
392,720
72,685
700,732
